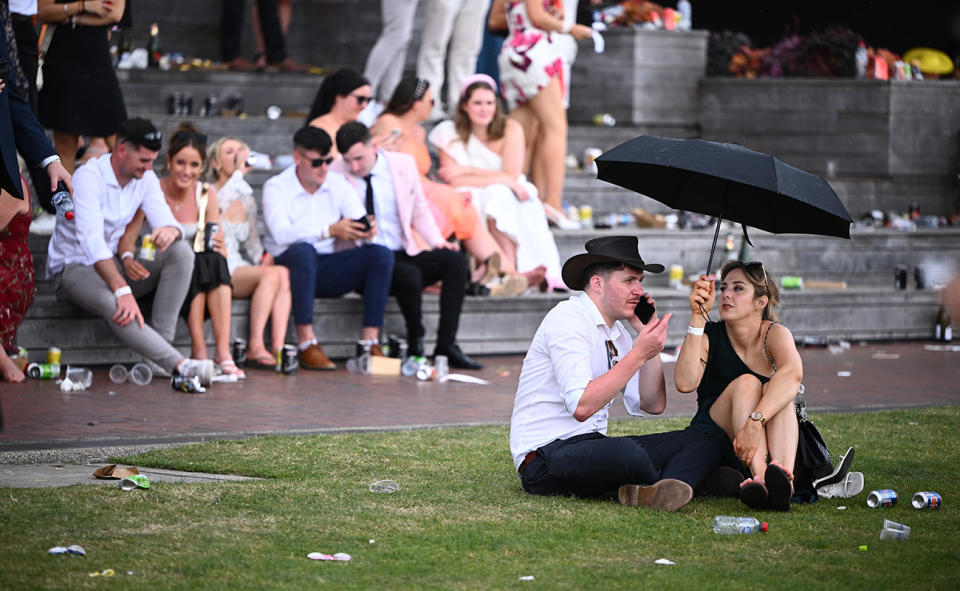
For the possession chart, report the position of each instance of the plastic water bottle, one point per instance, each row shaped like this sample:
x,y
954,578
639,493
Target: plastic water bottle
x,y
861,59
62,201
725,524
686,15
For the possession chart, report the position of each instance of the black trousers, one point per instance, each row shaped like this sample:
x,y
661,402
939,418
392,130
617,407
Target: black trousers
x,y
593,465
412,274
231,29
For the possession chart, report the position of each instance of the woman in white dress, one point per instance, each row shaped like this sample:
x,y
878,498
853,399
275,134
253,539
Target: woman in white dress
x,y
482,151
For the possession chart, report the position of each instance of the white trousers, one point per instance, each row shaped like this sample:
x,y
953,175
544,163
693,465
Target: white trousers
x,y
457,25
389,54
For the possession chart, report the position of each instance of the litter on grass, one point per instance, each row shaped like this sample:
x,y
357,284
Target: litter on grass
x,y
135,481
104,573
384,486
74,549
526,578
664,561
339,556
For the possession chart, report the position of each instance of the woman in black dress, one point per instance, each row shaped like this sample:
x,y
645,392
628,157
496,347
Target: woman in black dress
x,y
747,371
80,94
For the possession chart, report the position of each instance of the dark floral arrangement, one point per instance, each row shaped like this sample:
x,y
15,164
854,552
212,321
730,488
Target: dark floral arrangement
x,y
825,54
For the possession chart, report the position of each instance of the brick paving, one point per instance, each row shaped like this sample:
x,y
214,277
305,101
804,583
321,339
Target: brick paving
x,y
37,415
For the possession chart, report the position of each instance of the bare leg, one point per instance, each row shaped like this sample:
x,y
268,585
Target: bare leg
x,y
524,115
782,435
11,372
551,142
253,282
66,145
508,248
280,314
482,245
218,302
198,343
731,411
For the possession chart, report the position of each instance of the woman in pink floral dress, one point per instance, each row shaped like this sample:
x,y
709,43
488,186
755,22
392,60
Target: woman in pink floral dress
x,y
531,76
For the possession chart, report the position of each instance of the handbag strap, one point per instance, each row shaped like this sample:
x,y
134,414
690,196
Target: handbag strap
x,y
765,352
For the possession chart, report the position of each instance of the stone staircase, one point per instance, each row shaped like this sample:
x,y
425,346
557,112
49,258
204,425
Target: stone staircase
x,y
868,309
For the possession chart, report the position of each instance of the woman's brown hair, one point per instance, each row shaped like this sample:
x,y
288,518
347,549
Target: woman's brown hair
x,y
497,126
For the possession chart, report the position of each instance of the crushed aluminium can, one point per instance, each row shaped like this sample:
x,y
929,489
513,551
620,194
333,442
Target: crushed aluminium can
x,y
288,360
189,385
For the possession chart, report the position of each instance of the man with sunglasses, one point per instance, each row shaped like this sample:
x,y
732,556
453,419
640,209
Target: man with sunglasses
x,y
580,359
389,185
83,262
306,208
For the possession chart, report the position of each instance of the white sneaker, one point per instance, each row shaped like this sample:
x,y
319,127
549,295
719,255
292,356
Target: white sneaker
x,y
851,486
201,368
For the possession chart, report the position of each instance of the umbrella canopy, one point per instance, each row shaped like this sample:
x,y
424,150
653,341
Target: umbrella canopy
x,y
729,182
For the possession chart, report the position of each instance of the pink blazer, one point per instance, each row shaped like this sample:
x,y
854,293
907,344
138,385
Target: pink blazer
x,y
412,205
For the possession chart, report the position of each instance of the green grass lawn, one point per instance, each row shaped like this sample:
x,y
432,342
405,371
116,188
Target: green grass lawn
x,y
461,521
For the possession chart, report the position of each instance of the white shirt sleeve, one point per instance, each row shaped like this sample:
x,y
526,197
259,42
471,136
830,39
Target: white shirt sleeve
x,y
570,354
154,204
89,193
275,216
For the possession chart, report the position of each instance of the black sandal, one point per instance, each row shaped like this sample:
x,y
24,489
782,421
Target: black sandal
x,y
755,496
779,486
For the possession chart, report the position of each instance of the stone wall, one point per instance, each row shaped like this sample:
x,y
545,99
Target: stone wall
x,y
880,144
643,78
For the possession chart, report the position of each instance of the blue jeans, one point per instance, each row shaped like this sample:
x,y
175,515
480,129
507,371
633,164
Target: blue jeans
x,y
367,269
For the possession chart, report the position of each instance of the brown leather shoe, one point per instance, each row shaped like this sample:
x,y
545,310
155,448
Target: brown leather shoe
x,y
287,65
376,351
668,494
242,64
313,357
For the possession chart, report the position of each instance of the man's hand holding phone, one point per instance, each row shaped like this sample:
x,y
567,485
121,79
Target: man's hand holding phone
x,y
363,228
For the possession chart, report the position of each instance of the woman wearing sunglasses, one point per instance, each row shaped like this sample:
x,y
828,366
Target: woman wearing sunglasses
x,y
194,204
341,98
747,372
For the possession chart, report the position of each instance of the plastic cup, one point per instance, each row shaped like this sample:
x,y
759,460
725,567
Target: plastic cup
x,y
894,531
118,374
441,365
384,486
140,374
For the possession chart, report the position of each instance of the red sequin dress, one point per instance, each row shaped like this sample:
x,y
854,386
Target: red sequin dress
x,y
16,278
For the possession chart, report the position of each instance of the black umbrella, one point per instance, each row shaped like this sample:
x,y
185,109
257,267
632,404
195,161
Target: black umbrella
x,y
729,182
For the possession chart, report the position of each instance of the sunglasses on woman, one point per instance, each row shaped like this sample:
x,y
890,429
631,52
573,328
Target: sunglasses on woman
x,y
362,100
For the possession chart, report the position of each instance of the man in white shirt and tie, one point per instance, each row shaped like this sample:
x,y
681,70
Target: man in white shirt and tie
x,y
305,209
86,268
580,359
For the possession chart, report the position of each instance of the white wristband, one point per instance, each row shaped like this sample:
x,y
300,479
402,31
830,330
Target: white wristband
x,y
694,330
127,254
122,291
565,28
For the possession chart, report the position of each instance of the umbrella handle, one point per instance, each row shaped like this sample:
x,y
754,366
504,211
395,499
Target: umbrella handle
x,y
716,232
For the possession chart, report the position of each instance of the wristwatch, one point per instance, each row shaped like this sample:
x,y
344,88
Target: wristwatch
x,y
758,416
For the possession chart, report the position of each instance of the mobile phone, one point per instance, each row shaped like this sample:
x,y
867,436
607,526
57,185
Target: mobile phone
x,y
365,221
644,310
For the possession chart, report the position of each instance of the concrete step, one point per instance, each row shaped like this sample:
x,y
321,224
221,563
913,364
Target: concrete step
x,y
868,259
499,325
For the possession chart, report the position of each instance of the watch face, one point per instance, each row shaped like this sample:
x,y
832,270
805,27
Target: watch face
x,y
756,415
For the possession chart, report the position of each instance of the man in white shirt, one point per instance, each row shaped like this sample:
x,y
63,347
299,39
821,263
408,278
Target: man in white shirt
x,y
580,359
388,183
305,208
83,262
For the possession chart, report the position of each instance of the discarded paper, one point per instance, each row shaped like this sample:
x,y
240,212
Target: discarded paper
x,y
664,561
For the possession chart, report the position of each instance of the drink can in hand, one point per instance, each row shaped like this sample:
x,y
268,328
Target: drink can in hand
x,y
209,231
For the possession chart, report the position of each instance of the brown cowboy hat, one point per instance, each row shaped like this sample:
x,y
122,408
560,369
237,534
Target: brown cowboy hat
x,y
608,249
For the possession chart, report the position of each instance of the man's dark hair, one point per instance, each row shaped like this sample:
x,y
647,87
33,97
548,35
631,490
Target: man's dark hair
x,y
602,269
140,133
313,138
351,134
